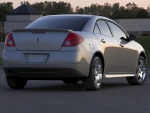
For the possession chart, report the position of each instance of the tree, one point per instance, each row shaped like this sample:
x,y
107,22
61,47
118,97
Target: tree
x,y
79,10
5,8
123,13
116,11
1,32
25,2
132,10
94,9
51,8
62,8
40,7
107,10
142,13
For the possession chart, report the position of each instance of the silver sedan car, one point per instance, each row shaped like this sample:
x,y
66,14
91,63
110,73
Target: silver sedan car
x,y
73,48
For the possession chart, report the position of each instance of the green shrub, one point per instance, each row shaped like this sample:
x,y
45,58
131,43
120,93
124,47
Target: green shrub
x,y
145,42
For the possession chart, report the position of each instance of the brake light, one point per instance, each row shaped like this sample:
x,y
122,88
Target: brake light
x,y
9,40
72,40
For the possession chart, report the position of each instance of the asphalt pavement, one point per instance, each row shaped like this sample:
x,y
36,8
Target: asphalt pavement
x,y
115,96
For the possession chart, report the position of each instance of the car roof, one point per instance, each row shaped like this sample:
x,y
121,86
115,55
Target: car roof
x,y
70,15
79,15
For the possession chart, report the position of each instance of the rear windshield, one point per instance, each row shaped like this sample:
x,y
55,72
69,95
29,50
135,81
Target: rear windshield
x,y
59,22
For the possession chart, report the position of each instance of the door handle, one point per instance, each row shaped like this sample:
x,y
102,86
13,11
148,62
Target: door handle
x,y
121,45
103,41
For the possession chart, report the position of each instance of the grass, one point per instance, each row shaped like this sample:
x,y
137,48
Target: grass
x,y
145,42
0,60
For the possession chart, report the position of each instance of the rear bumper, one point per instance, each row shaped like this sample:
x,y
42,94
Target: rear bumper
x,y
59,64
45,73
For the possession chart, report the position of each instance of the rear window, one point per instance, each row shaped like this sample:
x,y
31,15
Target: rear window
x,y
59,22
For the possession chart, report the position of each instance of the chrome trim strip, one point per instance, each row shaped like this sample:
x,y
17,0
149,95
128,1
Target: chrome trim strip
x,y
118,75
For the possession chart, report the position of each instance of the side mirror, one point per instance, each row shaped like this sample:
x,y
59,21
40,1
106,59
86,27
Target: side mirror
x,y
122,38
131,37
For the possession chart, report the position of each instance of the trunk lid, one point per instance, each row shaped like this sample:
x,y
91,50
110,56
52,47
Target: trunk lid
x,y
39,39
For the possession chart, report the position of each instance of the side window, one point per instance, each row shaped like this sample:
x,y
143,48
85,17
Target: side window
x,y
118,32
104,29
96,29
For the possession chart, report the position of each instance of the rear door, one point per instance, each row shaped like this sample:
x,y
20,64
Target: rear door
x,y
109,44
128,54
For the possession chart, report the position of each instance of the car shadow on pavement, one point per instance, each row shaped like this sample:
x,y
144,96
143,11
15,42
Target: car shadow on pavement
x,y
76,87
56,87
46,86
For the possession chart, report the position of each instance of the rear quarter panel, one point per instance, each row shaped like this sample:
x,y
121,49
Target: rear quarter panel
x,y
90,44
140,49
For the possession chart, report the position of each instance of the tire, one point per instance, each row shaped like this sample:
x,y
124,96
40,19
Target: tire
x,y
141,73
16,82
70,80
94,80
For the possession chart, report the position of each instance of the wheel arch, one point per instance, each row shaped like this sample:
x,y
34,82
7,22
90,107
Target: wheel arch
x,y
100,55
144,56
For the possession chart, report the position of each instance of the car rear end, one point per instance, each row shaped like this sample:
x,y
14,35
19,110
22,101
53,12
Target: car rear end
x,y
45,52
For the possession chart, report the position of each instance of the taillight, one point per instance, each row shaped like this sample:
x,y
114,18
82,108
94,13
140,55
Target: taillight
x,y
72,40
9,40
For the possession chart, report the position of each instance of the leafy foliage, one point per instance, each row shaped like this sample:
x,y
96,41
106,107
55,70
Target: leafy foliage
x,y
115,11
1,31
0,60
52,8
5,8
145,41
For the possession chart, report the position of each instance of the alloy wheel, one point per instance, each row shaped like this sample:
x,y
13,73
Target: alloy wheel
x,y
97,73
141,71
